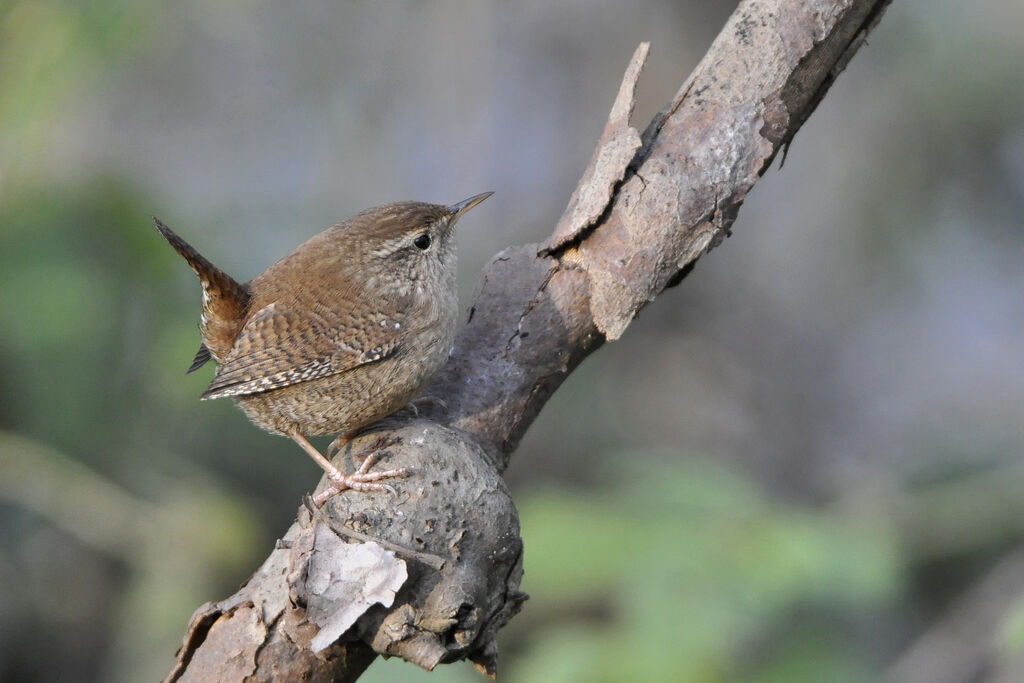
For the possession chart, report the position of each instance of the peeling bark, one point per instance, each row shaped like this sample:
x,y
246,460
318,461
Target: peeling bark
x,y
647,207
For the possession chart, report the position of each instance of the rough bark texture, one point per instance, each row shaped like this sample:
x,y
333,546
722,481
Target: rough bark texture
x,y
647,207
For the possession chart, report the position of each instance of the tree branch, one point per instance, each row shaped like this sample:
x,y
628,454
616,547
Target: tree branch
x,y
647,207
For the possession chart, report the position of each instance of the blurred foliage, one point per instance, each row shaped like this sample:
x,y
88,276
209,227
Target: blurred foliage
x,y
694,565
49,53
72,268
684,570
1011,638
81,551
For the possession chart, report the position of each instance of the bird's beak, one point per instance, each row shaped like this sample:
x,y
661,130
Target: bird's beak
x,y
457,209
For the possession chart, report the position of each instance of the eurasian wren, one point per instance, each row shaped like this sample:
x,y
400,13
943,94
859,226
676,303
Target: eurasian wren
x,y
340,333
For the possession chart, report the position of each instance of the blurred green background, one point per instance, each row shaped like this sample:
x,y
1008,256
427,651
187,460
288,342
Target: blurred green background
x,y
803,464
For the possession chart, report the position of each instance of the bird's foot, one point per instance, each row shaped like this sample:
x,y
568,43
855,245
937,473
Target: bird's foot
x,y
362,479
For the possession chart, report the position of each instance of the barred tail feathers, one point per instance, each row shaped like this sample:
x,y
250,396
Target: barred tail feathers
x,y
225,301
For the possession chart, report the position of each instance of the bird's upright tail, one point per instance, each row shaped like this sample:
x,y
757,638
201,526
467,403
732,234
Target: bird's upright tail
x,y
225,301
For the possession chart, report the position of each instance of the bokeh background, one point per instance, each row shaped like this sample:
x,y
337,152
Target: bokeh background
x,y
803,464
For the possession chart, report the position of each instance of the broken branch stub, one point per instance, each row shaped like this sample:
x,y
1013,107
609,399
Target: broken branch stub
x,y
615,150
446,562
454,508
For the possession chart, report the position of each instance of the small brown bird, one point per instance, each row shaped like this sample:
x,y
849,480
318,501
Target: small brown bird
x,y
342,332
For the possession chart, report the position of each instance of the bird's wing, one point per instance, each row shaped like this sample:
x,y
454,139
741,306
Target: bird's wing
x,y
278,347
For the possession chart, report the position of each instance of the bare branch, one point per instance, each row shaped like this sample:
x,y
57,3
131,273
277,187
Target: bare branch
x,y
646,209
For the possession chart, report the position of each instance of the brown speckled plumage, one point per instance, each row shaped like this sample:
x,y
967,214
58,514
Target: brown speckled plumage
x,y
343,331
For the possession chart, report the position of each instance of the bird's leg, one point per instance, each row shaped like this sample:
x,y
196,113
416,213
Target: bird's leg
x,y
360,480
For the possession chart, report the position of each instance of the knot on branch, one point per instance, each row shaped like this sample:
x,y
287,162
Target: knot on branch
x,y
429,574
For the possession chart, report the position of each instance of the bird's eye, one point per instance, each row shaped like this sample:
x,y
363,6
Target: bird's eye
x,y
422,242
